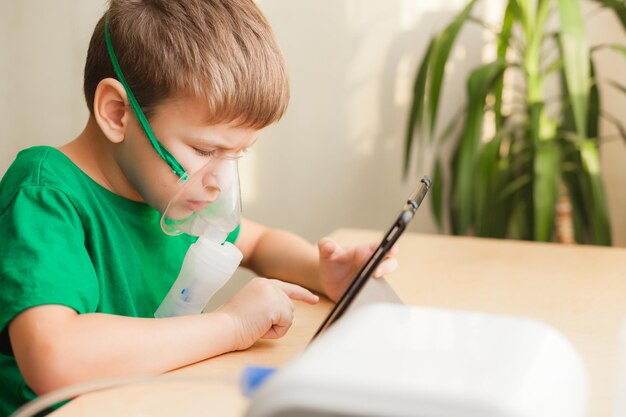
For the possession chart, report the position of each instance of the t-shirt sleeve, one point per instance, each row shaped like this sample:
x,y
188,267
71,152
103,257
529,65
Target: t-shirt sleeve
x,y
43,258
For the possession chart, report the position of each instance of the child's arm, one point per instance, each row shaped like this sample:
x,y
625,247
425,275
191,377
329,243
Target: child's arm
x,y
56,347
326,269
279,254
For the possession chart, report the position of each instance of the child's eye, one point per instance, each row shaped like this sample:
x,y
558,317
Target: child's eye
x,y
202,152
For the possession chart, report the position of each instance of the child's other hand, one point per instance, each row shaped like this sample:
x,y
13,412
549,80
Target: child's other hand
x,y
263,309
339,265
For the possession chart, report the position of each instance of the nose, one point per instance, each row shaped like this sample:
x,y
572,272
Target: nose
x,y
211,181
211,194
221,175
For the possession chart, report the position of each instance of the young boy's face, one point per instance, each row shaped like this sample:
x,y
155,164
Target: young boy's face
x,y
181,127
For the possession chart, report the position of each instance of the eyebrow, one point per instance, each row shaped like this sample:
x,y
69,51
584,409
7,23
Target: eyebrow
x,y
218,144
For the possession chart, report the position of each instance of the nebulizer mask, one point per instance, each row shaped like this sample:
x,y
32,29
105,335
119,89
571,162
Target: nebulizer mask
x,y
208,202
208,205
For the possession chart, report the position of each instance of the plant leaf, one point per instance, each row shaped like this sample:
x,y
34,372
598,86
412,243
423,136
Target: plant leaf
x,y
545,189
614,46
504,38
493,175
521,224
440,54
591,218
576,61
486,169
480,82
417,107
577,189
503,206
436,195
527,12
574,177
556,65
593,109
600,225
619,48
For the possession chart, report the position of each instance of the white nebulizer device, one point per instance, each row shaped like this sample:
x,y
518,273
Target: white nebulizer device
x,y
209,206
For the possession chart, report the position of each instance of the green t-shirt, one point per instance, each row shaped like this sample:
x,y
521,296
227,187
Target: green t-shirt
x,y
64,239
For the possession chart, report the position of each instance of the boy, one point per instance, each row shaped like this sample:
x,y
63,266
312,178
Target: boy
x,y
83,261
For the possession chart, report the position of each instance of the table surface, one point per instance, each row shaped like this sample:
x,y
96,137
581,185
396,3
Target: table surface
x,y
579,290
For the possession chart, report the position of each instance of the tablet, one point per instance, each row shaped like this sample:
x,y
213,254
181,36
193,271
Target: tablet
x,y
361,278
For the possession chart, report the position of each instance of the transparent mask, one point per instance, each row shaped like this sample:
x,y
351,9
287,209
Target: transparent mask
x,y
208,202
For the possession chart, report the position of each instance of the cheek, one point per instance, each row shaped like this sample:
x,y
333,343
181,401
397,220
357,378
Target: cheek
x,y
151,177
153,180
161,190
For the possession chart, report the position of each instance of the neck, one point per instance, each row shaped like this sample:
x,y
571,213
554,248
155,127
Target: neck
x,y
94,154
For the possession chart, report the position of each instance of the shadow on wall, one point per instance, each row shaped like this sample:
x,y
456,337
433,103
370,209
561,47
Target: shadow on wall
x,y
336,157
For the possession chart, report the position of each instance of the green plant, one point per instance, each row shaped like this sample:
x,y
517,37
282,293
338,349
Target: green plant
x,y
508,185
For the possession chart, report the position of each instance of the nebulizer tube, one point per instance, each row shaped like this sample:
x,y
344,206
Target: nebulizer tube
x,y
209,206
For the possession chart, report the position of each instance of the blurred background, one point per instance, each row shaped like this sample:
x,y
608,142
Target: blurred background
x,y
335,160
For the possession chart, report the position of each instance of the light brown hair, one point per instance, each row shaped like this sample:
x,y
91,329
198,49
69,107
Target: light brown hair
x,y
220,50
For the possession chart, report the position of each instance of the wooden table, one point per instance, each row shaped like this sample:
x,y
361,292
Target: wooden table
x,y
579,290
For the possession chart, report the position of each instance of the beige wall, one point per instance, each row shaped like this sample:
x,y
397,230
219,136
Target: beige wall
x,y
43,49
334,160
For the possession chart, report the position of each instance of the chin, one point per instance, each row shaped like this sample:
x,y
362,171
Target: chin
x,y
178,212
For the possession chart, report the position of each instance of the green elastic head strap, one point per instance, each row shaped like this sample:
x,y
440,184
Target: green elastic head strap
x,y
143,120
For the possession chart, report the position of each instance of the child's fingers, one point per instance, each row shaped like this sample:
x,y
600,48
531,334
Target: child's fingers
x,y
392,252
388,266
326,247
280,324
275,332
296,292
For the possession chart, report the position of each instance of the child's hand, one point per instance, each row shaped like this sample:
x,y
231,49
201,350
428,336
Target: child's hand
x,y
339,265
263,309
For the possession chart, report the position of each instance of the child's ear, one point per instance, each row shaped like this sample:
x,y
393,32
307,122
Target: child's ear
x,y
110,109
